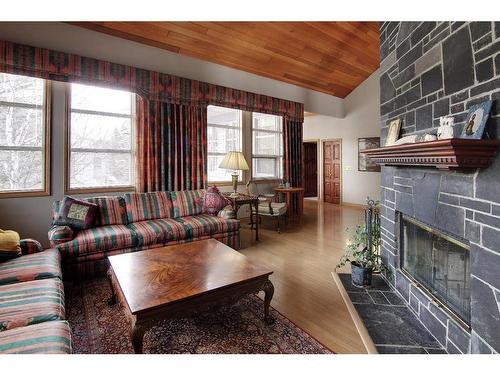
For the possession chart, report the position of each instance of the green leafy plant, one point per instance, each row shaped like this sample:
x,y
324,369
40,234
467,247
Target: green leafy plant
x,y
357,251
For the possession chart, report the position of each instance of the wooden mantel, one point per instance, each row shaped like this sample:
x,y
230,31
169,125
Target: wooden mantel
x,y
444,154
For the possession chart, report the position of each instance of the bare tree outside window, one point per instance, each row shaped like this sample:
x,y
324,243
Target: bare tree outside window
x,y
267,146
101,138
22,134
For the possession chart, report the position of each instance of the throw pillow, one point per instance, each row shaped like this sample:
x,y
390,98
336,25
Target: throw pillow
x,y
213,201
9,244
227,213
76,213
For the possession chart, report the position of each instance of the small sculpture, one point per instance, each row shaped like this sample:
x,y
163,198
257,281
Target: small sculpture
x,y
445,130
416,138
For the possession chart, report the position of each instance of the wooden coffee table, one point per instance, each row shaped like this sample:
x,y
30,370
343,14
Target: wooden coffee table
x,y
168,282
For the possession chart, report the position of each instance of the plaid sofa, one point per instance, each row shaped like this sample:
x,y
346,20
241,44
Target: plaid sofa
x,y
32,314
137,221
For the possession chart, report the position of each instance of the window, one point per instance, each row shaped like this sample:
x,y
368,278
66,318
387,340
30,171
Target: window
x,y
101,142
267,146
224,133
24,149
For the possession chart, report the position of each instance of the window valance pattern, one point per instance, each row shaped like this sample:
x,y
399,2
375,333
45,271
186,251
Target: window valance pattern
x,y
59,66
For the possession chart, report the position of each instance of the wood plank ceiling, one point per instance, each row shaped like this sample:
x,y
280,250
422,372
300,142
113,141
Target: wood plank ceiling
x,y
330,57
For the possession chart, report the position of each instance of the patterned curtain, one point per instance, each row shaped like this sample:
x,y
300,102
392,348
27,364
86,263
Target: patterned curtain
x,y
292,134
171,146
60,66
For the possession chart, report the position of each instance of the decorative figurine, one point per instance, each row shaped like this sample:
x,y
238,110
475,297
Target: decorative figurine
x,y
445,130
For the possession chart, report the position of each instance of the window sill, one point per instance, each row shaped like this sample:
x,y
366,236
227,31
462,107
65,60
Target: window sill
x,y
117,189
266,180
25,194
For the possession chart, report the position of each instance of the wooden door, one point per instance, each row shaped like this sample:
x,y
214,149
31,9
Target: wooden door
x,y
310,169
332,168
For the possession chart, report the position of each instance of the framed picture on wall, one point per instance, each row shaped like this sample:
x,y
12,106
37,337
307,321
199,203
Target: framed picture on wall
x,y
365,164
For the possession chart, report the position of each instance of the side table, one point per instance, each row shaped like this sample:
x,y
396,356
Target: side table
x,y
292,209
251,200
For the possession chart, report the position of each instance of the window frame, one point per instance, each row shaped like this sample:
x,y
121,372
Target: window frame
x,y
241,181
46,147
279,159
67,149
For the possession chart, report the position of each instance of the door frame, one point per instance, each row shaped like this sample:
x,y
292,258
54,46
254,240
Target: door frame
x,y
341,169
319,163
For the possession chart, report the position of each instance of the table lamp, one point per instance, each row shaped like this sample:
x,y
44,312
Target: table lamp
x,y
235,161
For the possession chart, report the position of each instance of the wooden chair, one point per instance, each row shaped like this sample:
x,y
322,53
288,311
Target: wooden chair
x,y
267,206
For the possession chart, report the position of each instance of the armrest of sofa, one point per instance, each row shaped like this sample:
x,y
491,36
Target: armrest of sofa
x,y
30,246
59,234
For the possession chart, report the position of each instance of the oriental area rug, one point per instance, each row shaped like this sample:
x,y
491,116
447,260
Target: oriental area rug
x,y
97,328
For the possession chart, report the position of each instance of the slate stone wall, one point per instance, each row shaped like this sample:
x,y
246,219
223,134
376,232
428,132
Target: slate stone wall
x,y
428,70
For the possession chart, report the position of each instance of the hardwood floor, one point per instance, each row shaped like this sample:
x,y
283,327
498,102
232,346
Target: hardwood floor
x,y
303,257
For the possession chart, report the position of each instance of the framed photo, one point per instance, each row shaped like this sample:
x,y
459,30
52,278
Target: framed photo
x,y
393,132
365,164
476,120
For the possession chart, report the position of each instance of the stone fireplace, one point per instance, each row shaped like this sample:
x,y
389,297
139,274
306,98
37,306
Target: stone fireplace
x,y
441,229
439,264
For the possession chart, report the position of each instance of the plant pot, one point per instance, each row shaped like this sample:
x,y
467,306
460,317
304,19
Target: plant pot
x,y
361,276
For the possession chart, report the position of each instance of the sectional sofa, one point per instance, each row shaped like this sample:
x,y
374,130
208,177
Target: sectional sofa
x,y
32,314
137,221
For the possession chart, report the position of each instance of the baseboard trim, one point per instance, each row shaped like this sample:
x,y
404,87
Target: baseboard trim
x,y
356,205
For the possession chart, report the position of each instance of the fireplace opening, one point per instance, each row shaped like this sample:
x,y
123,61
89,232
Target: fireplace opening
x,y
439,264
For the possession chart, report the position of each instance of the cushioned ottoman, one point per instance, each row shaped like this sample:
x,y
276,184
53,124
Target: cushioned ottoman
x,y
44,338
31,302
43,265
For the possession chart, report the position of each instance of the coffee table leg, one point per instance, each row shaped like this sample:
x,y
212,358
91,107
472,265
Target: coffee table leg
x,y
112,299
137,335
268,289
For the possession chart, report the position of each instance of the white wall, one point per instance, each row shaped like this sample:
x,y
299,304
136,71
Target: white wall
x,y
77,40
362,120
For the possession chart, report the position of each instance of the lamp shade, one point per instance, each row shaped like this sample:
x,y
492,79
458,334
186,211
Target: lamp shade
x,y
234,160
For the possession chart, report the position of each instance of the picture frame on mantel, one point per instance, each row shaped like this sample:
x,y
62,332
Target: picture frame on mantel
x,y
475,122
393,132
365,164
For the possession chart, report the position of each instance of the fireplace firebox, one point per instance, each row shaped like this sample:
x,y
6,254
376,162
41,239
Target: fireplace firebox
x,y
439,264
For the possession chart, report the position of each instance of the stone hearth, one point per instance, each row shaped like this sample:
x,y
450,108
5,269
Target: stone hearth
x,y
392,326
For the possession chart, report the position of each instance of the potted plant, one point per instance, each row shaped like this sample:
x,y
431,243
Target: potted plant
x,y
363,248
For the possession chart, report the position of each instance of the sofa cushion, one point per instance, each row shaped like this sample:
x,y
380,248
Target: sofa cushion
x,y
157,231
186,203
99,239
206,225
148,206
111,210
44,338
31,302
43,265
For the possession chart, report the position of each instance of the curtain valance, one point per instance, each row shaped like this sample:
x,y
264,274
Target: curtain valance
x,y
59,66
